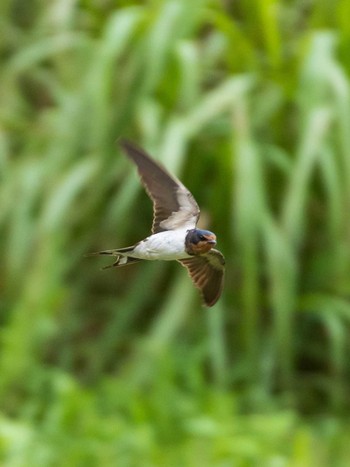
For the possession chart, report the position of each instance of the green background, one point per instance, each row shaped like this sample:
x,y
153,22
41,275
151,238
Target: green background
x,y
248,102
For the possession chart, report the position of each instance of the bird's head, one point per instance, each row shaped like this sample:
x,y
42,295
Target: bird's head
x,y
199,241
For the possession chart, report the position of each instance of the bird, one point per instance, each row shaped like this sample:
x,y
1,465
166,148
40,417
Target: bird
x,y
174,233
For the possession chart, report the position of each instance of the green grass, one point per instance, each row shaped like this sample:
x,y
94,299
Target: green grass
x,y
167,427
248,103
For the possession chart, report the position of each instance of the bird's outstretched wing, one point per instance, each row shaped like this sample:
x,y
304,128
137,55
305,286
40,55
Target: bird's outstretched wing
x,y
207,273
174,206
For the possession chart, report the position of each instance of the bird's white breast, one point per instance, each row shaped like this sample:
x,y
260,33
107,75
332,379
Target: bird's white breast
x,y
168,245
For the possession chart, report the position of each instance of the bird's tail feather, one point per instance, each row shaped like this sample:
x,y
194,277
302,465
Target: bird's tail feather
x,y
121,259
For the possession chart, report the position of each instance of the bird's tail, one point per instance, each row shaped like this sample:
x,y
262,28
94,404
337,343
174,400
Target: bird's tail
x,y
120,254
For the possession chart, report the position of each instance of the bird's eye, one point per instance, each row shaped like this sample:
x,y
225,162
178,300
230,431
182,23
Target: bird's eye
x,y
202,237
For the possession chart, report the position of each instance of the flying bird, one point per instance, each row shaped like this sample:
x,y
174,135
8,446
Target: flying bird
x,y
174,233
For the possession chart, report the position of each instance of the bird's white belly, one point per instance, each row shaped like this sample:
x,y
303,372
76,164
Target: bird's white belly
x,y
169,245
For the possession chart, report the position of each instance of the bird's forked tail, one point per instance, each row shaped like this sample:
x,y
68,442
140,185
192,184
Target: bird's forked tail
x,y
120,254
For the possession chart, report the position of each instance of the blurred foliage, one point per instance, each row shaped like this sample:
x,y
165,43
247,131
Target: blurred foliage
x,y
248,102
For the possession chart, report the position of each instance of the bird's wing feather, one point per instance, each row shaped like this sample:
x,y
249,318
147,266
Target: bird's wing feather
x,y
207,273
173,205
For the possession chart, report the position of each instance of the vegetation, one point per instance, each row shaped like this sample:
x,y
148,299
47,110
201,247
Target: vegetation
x,y
249,103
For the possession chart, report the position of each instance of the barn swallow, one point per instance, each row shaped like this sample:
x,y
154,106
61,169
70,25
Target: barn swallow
x,y
174,233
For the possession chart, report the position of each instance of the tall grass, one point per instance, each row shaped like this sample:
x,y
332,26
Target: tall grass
x,y
249,106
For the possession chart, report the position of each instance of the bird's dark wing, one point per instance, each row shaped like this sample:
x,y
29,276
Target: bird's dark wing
x,y
174,206
207,273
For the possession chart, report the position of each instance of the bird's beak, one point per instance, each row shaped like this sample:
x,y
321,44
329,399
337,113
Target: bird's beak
x,y
211,240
